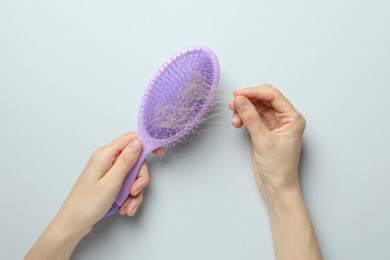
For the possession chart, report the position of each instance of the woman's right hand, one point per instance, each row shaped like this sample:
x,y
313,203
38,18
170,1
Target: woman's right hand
x,y
276,129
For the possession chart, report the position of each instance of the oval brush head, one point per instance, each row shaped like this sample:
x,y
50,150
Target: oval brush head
x,y
176,100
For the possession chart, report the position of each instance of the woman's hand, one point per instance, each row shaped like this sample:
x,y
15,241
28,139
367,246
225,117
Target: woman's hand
x,y
276,130
92,196
99,183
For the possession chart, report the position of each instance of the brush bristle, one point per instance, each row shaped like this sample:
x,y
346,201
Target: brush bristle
x,y
180,95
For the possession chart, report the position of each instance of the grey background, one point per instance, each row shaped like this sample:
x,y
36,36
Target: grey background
x,y
71,77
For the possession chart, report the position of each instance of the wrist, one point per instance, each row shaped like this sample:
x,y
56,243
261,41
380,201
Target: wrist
x,y
292,230
68,227
56,242
281,194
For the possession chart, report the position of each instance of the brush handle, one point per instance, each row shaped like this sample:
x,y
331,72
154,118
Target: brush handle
x,y
129,179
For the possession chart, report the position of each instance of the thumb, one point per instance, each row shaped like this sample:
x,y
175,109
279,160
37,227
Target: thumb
x,y
125,162
250,117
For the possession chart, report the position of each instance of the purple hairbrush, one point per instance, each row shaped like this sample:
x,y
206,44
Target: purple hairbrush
x,y
176,100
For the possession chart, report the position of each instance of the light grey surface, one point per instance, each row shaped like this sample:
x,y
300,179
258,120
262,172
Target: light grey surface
x,y
71,77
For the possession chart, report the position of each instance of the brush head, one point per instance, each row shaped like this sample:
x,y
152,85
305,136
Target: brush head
x,y
176,100
178,97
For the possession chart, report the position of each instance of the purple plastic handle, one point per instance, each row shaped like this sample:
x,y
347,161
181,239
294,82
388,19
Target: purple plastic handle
x,y
129,179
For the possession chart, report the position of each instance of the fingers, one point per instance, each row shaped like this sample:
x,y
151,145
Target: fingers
x,y
120,143
269,95
141,181
232,106
131,205
123,164
116,147
103,158
272,107
250,117
159,151
236,120
136,192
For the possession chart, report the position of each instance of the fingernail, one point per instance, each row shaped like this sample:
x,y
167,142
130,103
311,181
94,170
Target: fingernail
x,y
122,211
240,102
135,145
132,209
234,118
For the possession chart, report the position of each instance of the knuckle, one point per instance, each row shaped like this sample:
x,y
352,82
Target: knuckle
x,y
267,86
126,157
250,119
300,123
146,180
272,92
303,121
99,154
129,133
275,91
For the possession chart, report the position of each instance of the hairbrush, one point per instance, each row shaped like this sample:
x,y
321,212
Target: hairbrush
x,y
175,102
